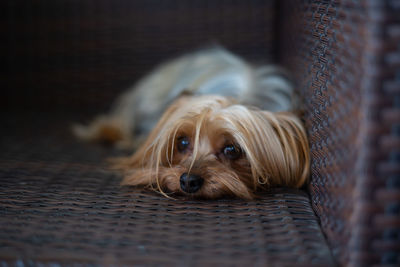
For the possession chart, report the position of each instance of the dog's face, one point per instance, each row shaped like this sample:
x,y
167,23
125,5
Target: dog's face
x,y
210,147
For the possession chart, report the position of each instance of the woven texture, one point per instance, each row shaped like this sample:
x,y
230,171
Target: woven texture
x,y
345,58
81,54
59,204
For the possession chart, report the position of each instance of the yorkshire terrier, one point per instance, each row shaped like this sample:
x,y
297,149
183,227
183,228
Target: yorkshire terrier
x,y
225,128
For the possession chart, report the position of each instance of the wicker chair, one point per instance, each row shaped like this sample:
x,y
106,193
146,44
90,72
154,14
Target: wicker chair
x,y
65,62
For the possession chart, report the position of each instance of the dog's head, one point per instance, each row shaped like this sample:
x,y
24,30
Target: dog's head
x,y
209,146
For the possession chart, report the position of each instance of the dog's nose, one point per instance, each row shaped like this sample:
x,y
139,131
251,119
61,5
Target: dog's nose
x,y
191,183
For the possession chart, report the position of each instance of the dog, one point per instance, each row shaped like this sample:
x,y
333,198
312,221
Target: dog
x,y
207,125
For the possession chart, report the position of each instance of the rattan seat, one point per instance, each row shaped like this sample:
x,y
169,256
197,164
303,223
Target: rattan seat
x,y
60,204
65,61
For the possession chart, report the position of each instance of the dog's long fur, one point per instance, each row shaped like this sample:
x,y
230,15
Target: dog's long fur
x,y
239,136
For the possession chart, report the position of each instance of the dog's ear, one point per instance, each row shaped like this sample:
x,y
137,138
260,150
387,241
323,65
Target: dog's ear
x,y
275,145
293,136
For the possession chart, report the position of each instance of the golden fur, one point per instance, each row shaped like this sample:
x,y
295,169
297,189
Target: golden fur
x,y
274,145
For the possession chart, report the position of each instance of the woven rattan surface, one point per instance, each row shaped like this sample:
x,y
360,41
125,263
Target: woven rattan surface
x,y
81,54
345,58
59,204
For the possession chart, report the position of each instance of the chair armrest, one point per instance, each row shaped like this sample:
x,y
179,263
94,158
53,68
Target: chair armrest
x,y
345,58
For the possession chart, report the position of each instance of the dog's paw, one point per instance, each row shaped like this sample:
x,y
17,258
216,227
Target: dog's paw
x,y
103,130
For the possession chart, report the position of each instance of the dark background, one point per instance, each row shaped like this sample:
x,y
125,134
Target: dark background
x,y
78,55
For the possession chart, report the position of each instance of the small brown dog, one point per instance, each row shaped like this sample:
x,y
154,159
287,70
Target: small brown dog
x,y
209,141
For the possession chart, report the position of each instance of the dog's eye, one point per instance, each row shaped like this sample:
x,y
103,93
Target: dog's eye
x,y
232,152
183,143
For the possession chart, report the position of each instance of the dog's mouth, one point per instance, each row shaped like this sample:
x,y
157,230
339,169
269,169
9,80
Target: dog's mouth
x,y
179,194
195,193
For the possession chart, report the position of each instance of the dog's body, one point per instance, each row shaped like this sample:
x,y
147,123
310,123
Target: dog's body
x,y
209,141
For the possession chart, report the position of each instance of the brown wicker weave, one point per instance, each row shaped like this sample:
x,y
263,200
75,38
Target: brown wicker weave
x,y
66,60
345,57
82,54
59,204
